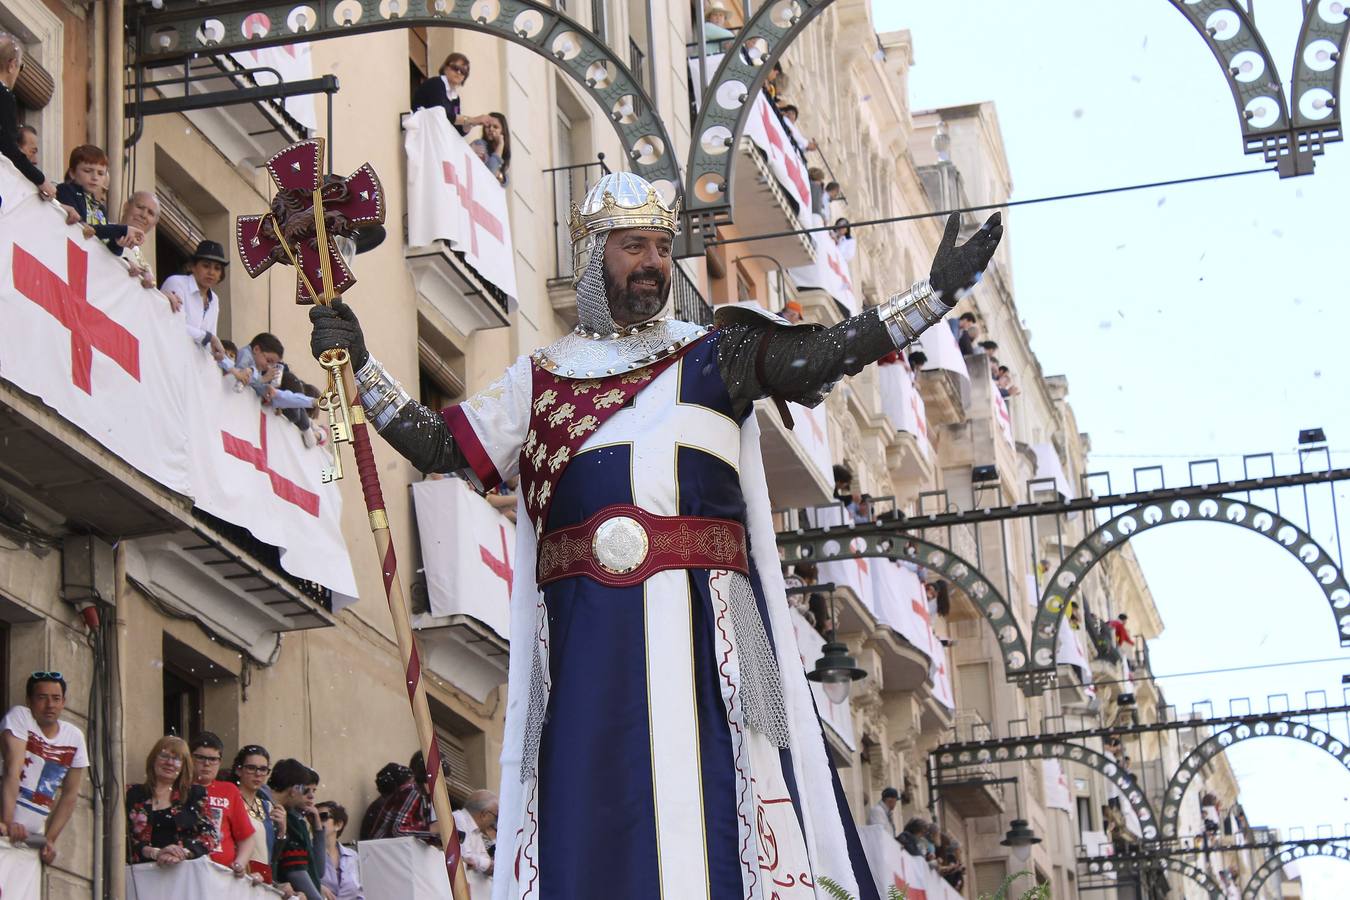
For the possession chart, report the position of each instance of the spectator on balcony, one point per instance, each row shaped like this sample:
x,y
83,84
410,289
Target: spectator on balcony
x,y
502,498
883,813
792,311
477,824
833,194
966,331
494,147
950,866
297,861
1006,388
142,211
405,812
843,237
917,360
11,60
774,84
167,821
816,177
341,871
28,143
857,504
81,194
939,600
43,755
251,767
232,844
387,780
715,20
442,92
802,142
913,839
194,293
1121,632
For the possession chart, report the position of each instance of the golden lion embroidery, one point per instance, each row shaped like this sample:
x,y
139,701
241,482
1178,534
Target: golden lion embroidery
x,y
530,440
545,490
637,377
561,414
545,400
611,397
585,387
540,454
529,497
490,394
581,426
559,457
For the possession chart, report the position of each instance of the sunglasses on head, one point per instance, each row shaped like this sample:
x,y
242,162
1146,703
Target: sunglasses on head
x,y
48,676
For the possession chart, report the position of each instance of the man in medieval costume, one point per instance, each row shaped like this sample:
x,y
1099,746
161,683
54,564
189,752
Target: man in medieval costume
x,y
661,740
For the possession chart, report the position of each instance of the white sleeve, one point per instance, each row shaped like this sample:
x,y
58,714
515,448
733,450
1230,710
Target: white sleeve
x,y
18,722
489,428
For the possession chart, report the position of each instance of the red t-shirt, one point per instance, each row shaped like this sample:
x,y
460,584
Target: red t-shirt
x,y
225,806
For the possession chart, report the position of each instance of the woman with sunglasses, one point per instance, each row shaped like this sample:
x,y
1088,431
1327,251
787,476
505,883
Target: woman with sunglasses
x,y
341,874
166,816
442,91
251,767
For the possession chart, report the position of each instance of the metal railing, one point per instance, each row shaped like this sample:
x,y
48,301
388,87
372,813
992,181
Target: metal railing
x,y
689,303
570,184
637,66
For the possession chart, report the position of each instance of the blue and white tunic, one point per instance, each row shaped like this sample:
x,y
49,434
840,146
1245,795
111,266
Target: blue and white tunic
x,y
648,783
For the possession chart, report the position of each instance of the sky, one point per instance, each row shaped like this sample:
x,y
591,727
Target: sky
x,y
1194,321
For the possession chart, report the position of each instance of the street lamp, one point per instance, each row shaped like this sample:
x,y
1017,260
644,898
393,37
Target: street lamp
x,y
836,670
1020,839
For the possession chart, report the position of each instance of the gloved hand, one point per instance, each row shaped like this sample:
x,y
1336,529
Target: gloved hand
x,y
958,269
335,325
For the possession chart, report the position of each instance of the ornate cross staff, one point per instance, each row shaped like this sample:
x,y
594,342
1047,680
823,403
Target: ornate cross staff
x,y
309,211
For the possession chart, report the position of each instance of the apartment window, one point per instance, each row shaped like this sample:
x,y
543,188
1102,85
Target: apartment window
x,y
418,62
745,287
183,706
600,21
989,877
463,752
178,233
1085,815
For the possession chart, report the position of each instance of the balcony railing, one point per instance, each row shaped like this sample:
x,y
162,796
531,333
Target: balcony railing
x,y
689,303
570,184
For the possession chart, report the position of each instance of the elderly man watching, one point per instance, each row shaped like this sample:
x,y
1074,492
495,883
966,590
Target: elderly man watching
x,y
142,211
478,821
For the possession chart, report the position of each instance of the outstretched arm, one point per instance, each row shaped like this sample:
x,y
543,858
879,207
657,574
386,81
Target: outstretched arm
x,y
802,365
418,433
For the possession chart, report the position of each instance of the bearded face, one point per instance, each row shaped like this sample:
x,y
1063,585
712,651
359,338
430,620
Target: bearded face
x,y
637,274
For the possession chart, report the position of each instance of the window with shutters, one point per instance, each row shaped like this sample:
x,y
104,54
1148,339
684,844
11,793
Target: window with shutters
x,y
463,752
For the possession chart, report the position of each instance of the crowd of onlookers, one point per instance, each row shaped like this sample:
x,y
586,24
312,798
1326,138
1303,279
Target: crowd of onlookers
x,y
83,195
441,91
260,818
922,838
966,330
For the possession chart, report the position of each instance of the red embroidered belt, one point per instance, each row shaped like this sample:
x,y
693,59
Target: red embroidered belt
x,y
622,545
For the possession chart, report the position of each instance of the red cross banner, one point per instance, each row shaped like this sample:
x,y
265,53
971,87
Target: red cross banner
x,y
892,867
112,359
453,197
830,272
903,404
468,552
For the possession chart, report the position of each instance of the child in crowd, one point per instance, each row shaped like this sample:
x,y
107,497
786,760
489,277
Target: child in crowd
x,y
230,366
11,60
298,862
274,385
80,193
28,143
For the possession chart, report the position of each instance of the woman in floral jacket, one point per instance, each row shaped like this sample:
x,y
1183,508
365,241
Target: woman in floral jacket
x,y
166,816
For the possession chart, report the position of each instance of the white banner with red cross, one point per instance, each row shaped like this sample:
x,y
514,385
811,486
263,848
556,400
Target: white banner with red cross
x,y
466,552
453,197
899,600
1002,416
111,358
1056,783
902,403
893,868
830,272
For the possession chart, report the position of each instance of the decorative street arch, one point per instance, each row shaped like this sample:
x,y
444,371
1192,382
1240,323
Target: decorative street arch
x,y
1109,865
1252,890
1220,741
1061,750
224,27
1223,510
845,542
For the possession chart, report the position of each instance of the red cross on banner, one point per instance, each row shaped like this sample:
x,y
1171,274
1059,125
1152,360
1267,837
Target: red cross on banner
x,y
479,215
499,567
839,270
920,610
282,486
66,301
774,135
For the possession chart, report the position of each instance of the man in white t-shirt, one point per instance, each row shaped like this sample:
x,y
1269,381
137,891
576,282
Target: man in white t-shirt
x,y
45,759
